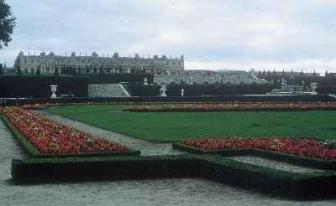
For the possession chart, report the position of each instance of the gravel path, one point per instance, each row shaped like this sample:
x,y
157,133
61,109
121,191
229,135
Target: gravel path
x,y
9,149
258,161
146,148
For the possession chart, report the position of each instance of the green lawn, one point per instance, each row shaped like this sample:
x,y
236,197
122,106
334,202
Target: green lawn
x,y
176,126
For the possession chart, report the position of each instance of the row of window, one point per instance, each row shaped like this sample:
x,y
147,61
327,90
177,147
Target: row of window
x,y
88,61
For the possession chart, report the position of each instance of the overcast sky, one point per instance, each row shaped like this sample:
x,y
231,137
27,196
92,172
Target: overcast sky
x,y
211,34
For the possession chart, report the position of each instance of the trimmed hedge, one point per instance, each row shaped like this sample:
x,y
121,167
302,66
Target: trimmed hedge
x,y
269,181
215,167
330,89
143,90
200,89
39,86
229,98
218,89
103,168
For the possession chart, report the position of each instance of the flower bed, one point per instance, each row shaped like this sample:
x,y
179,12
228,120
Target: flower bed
x,y
51,138
301,147
233,106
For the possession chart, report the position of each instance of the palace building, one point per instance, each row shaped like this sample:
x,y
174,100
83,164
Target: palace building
x,y
94,64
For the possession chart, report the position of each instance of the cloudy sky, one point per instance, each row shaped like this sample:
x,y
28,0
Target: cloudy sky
x,y
211,34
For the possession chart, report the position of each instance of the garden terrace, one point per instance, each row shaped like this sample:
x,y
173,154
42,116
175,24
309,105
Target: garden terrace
x,y
311,174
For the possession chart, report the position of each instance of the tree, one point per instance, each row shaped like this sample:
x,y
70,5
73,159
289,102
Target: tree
x,y
7,24
1,69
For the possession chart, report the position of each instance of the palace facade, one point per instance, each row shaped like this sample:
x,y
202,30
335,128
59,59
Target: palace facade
x,y
94,64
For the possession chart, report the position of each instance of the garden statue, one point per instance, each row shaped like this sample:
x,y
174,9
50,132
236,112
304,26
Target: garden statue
x,y
313,87
163,90
53,90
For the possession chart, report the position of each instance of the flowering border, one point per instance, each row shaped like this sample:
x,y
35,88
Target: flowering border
x,y
298,148
65,141
233,106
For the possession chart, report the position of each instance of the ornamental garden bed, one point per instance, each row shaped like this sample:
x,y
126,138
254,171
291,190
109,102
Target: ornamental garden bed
x,y
234,106
304,152
42,137
210,163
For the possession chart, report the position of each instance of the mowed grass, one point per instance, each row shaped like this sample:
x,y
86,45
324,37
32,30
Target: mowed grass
x,y
176,126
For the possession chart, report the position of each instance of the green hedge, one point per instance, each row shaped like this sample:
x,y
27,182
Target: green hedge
x,y
269,181
103,168
214,167
143,90
39,86
218,89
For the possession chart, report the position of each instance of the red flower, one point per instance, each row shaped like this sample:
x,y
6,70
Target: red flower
x,y
302,147
52,138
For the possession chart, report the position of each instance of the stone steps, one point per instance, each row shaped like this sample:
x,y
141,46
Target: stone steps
x,y
107,90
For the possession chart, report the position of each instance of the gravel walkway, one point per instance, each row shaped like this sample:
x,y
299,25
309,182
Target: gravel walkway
x,y
9,149
258,161
146,148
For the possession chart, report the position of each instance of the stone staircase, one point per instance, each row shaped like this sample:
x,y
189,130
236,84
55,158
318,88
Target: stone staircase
x,y
107,90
